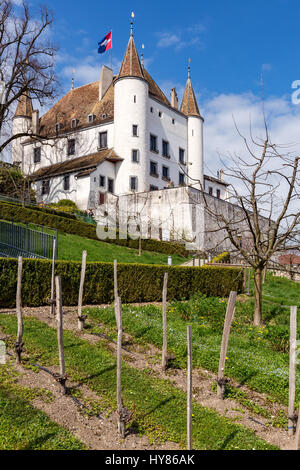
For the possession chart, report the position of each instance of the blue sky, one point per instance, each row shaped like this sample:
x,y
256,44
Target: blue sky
x,y
230,43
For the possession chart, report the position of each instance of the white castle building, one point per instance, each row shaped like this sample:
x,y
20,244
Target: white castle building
x,y
120,140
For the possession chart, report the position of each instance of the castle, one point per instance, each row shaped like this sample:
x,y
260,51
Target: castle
x,y
121,140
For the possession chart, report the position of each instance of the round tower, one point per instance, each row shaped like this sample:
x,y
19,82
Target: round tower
x,y
22,122
130,122
190,108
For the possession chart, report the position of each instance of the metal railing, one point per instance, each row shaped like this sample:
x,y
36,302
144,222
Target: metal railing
x,y
17,240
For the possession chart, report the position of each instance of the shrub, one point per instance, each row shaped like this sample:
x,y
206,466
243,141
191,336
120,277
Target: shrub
x,y
83,229
136,282
66,202
221,258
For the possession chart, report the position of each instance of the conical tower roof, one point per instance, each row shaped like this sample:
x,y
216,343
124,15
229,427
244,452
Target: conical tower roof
x,y
131,65
189,105
24,107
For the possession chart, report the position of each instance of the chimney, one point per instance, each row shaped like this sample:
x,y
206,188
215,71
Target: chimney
x,y
35,122
222,175
106,78
174,99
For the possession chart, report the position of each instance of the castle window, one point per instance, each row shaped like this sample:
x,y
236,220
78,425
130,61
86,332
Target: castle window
x,y
181,155
66,183
135,155
91,117
103,140
165,149
110,185
45,187
218,193
159,114
151,109
37,155
71,147
153,188
165,173
153,169
101,199
133,183
104,116
134,98
102,181
210,191
181,178
173,121
135,130
153,143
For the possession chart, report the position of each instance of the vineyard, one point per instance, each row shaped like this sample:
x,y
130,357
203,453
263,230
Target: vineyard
x,y
93,377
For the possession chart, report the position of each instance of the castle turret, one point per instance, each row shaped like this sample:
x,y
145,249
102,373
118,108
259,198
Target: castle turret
x,y
130,120
22,122
190,108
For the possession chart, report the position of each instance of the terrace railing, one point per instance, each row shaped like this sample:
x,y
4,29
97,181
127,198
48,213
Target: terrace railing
x,y
17,240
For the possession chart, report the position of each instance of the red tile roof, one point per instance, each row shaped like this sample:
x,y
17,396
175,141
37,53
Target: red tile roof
x,y
24,107
189,104
87,162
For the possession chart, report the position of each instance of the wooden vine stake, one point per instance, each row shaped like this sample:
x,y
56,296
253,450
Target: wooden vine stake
x,y
189,389
61,378
116,295
292,379
81,318
19,344
297,437
244,279
121,421
221,381
249,275
52,298
164,361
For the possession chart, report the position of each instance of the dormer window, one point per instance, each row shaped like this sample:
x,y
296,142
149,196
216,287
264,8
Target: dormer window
x,y
57,127
91,117
74,123
104,116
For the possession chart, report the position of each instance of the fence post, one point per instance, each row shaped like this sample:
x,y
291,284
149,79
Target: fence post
x,y
61,378
19,344
164,361
52,298
227,325
244,279
292,377
81,318
189,389
297,437
121,422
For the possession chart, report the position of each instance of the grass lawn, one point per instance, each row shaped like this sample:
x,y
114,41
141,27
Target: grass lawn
x,y
23,427
160,407
257,356
70,247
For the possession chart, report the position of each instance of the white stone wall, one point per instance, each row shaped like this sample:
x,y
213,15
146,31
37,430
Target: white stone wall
x,y
55,150
20,124
174,132
214,185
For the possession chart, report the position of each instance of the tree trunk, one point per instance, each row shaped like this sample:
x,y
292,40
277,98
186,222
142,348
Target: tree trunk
x,y
258,296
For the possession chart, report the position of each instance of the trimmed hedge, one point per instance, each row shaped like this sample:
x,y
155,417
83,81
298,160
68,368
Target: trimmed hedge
x,y
83,229
46,210
136,282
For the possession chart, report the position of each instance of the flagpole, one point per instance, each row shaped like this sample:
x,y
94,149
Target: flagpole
x,y
111,53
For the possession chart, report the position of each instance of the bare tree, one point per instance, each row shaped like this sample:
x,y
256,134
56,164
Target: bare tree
x,y
263,219
26,64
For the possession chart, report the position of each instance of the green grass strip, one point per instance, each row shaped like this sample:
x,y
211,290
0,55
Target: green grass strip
x,y
250,361
160,407
23,427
